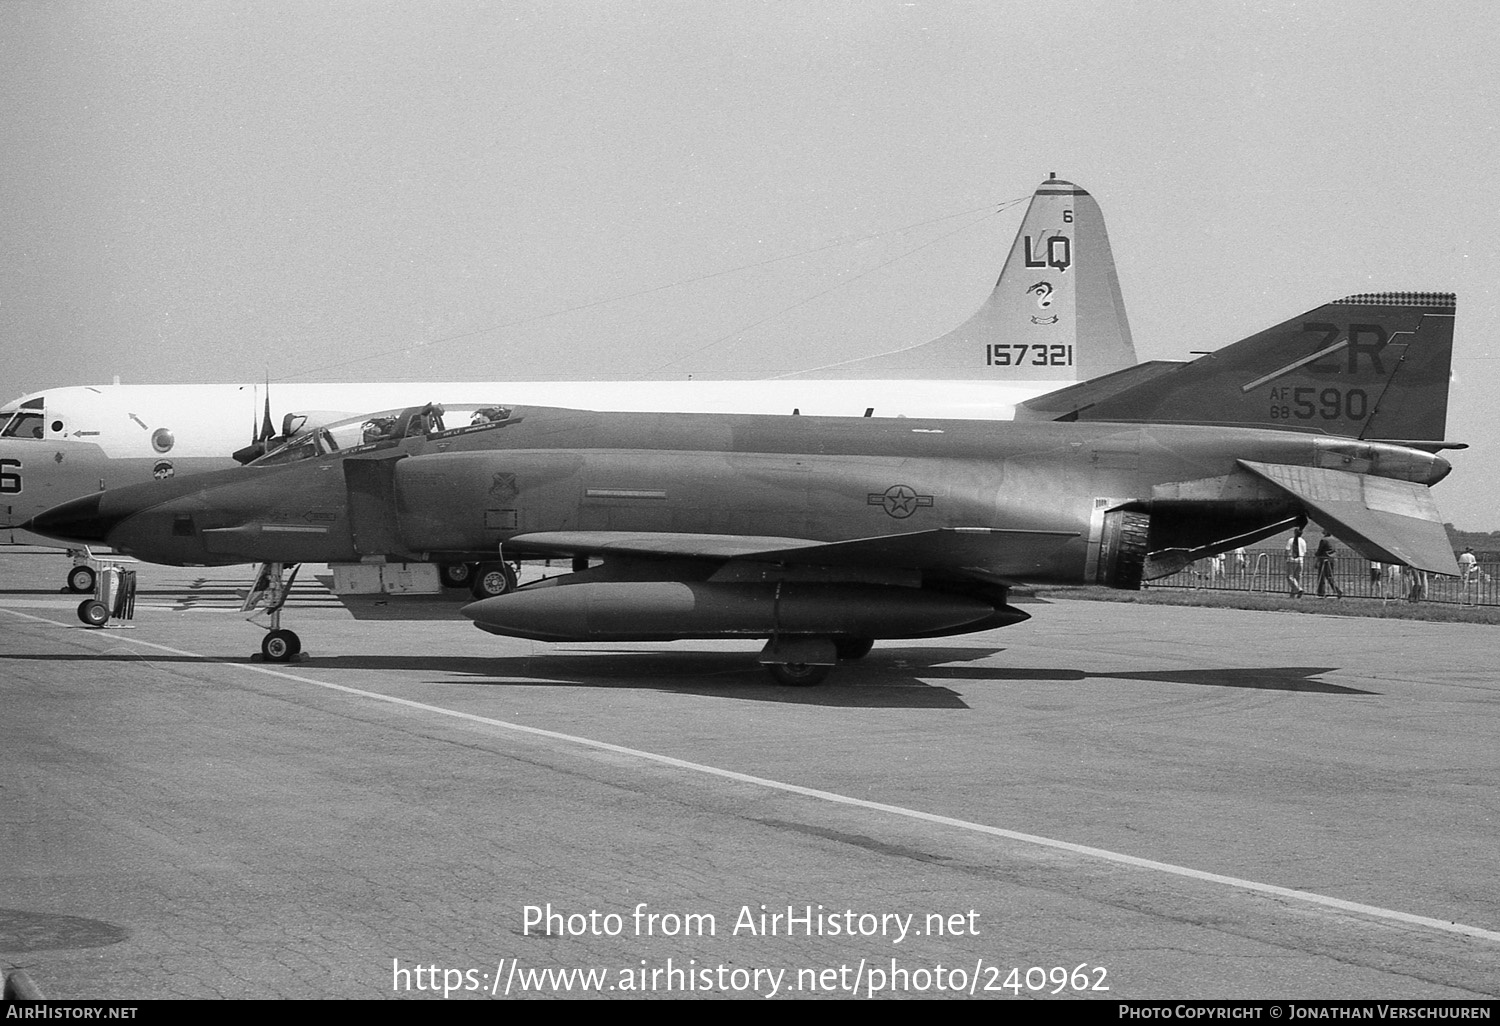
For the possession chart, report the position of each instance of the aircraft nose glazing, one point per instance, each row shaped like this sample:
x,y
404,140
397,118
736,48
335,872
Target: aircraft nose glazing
x,y
76,520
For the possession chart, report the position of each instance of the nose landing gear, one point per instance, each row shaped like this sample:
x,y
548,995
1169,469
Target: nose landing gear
x,y
273,584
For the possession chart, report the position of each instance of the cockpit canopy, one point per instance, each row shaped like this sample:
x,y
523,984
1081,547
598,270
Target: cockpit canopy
x,y
27,422
378,430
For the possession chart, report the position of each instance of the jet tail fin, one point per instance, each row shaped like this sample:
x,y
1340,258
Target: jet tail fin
x,y
1055,314
1387,520
1371,366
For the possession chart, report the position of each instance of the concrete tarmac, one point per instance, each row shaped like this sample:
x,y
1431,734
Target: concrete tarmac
x,y
1168,803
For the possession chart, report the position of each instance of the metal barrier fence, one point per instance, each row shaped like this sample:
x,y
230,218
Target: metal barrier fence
x,y
1264,570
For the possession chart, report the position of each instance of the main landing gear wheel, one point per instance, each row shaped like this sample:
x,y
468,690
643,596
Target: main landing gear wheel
x,y
493,579
280,646
92,611
853,648
456,575
81,580
798,675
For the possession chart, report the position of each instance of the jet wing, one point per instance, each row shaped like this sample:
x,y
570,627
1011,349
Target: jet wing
x,y
1392,521
995,552
654,544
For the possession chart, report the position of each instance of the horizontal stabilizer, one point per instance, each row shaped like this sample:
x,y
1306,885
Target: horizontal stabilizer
x,y
995,552
1390,521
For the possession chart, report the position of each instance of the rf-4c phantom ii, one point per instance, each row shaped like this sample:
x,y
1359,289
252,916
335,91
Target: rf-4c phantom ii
x,y
822,535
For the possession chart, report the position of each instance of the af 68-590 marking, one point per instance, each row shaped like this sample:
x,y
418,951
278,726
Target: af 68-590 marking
x,y
1307,402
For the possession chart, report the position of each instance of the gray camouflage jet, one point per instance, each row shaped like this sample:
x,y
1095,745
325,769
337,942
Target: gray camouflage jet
x,y
821,535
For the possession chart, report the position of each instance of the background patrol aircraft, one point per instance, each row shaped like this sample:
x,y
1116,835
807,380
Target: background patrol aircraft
x,y
1055,316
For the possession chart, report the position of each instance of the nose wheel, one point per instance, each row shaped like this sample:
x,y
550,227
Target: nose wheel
x,y
280,646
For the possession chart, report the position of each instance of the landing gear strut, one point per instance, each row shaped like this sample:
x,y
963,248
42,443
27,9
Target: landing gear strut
x,y
273,584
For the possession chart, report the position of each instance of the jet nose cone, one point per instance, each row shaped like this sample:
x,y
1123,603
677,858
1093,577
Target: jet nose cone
x,y
1441,468
76,520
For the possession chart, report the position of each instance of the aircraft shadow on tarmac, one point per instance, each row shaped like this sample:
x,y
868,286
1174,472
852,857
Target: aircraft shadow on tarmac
x,y
1261,678
890,678
881,681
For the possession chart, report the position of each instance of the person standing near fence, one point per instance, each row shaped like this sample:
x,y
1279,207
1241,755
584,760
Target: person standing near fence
x,y
1416,584
1296,552
1324,558
1391,586
1468,568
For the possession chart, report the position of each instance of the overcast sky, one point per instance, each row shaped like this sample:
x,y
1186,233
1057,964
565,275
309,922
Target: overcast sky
x,y
210,190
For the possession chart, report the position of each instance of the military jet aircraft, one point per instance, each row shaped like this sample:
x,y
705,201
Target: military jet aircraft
x,y
1373,367
822,535
1055,316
